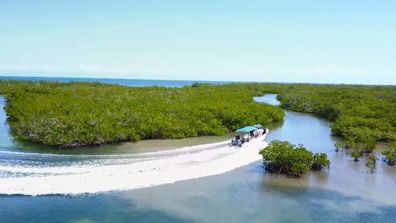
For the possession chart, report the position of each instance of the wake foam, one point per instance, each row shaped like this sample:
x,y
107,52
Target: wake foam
x,y
44,174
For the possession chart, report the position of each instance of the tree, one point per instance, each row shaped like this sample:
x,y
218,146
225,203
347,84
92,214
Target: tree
x,y
356,154
367,143
371,163
282,157
320,161
390,154
355,150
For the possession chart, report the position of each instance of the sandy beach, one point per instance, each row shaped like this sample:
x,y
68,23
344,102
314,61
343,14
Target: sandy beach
x,y
124,172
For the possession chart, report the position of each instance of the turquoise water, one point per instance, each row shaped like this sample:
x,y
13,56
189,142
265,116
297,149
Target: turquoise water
x,y
244,195
345,193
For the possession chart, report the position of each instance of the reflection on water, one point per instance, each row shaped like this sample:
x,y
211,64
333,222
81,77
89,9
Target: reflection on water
x,y
345,193
5,138
150,145
268,99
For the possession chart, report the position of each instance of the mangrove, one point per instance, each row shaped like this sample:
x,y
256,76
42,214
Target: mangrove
x,y
282,157
390,154
81,114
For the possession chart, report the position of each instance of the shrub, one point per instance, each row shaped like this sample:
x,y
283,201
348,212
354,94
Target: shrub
x,y
371,163
282,157
390,155
320,161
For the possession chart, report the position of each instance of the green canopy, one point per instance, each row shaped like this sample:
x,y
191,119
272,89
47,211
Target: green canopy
x,y
247,129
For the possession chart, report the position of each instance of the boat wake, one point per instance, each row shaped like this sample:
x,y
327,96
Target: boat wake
x,y
43,174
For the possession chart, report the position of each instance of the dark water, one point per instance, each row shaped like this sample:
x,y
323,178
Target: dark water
x,y
345,193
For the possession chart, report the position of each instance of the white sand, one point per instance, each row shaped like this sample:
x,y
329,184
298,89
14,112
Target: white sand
x,y
132,173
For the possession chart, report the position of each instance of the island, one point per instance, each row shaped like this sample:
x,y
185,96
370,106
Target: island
x,y
282,157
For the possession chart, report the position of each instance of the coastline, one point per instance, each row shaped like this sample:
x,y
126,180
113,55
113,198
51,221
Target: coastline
x,y
157,169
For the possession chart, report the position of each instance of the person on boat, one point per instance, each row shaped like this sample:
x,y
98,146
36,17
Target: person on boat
x,y
260,131
237,141
252,134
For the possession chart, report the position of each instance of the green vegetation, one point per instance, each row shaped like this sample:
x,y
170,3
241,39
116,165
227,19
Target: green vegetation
x,y
356,149
361,115
79,114
356,153
356,112
320,161
283,157
390,154
371,163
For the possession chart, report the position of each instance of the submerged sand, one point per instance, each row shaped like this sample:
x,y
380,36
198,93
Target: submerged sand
x,y
124,172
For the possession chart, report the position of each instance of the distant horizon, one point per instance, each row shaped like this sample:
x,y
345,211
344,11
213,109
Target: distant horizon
x,y
24,76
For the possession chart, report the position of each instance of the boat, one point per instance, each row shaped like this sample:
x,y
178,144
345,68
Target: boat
x,y
247,133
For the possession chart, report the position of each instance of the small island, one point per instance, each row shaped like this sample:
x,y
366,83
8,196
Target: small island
x,y
282,157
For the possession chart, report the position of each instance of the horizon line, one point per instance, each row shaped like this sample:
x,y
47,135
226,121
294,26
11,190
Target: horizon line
x,y
185,80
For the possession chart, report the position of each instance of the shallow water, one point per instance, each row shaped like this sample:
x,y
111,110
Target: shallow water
x,y
5,137
131,166
345,193
150,145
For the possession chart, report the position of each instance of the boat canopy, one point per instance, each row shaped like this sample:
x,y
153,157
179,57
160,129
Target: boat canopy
x,y
247,129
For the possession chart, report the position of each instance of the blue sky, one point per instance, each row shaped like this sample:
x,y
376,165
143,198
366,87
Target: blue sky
x,y
326,41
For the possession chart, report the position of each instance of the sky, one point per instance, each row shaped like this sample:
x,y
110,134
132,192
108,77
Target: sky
x,y
316,41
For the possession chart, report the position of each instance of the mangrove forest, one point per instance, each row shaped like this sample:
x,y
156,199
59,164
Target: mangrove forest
x,y
79,114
